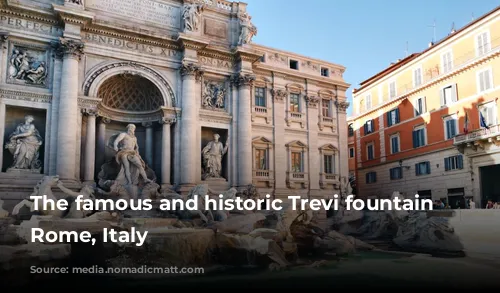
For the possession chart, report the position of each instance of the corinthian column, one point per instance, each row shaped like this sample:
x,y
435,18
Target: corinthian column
x,y
244,157
149,143
90,146
101,143
190,154
165,151
72,50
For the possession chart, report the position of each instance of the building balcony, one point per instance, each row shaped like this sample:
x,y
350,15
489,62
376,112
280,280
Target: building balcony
x,y
263,178
326,180
328,122
263,112
297,117
297,179
477,138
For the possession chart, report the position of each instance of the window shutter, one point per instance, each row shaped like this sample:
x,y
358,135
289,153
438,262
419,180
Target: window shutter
x,y
453,127
460,162
389,120
374,177
372,123
397,115
428,165
441,97
391,173
424,107
367,175
414,138
454,93
446,164
417,171
365,129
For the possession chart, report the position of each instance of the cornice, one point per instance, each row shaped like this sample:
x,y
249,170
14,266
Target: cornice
x,y
214,53
29,15
187,42
68,15
247,55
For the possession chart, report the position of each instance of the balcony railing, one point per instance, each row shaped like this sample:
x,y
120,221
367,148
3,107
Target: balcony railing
x,y
479,134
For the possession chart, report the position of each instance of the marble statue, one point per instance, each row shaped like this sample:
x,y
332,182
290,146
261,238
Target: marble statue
x,y
127,155
248,30
214,95
212,158
191,14
24,144
23,67
44,188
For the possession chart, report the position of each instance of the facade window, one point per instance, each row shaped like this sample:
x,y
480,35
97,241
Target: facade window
x,y
297,166
329,164
417,77
424,194
447,62
369,126
394,143
295,103
294,64
454,163
351,152
261,159
483,44
484,80
448,95
370,151
350,130
325,108
419,136
423,168
393,117
450,126
260,97
368,102
371,177
380,94
325,72
396,173
488,114
392,90
420,106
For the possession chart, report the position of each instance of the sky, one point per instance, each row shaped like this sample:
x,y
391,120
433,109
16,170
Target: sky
x,y
365,36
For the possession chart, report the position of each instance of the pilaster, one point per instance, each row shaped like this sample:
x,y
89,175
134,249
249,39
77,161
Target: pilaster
x,y
280,155
166,156
342,106
314,158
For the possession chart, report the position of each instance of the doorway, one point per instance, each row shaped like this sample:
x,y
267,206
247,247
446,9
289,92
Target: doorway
x,y
490,189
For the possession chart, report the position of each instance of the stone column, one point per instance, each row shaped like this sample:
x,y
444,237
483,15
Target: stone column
x,y
2,131
72,50
244,157
101,143
342,106
90,146
281,160
314,159
165,151
149,143
189,126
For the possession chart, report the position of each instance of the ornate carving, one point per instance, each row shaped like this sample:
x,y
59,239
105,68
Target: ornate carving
x,y
25,96
76,2
248,30
214,95
167,120
279,95
277,58
24,144
89,112
191,14
147,124
27,67
4,36
105,120
69,47
243,79
342,106
191,69
310,65
312,101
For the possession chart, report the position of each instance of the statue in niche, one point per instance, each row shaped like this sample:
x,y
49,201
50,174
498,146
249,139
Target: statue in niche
x,y
212,158
24,144
191,14
127,176
214,95
248,30
27,68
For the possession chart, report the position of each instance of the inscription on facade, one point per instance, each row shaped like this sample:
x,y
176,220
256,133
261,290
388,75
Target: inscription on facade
x,y
148,11
215,28
24,24
128,45
216,62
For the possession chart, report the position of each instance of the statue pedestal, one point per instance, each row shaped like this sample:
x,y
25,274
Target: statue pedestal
x,y
22,172
218,185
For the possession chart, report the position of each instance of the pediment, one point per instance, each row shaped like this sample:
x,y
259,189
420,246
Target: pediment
x,y
261,140
328,147
297,144
325,94
295,87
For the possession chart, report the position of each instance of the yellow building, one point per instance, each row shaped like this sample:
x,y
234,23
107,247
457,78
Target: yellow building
x,y
428,123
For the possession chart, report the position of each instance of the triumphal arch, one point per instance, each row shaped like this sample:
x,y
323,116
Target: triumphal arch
x,y
169,92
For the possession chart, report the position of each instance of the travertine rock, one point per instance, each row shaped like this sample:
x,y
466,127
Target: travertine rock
x,y
24,256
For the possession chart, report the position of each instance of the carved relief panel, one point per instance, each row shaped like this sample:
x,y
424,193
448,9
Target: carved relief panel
x,y
214,95
28,65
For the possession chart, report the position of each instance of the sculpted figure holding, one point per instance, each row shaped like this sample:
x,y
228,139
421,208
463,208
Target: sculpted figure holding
x,y
191,14
24,144
248,30
127,156
212,157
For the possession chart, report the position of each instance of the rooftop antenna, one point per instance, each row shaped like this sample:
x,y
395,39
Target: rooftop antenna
x,y
472,15
406,50
433,30
453,30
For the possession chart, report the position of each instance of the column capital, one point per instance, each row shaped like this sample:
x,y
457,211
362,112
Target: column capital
x,y
89,112
242,79
279,95
69,48
168,120
104,119
191,69
4,36
342,105
312,101
147,124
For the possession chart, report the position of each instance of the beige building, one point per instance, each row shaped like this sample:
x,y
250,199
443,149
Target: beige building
x,y
181,72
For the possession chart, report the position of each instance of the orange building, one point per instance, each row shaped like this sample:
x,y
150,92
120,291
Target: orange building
x,y
428,123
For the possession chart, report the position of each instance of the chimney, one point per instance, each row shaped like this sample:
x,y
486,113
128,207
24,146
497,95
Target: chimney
x,y
431,44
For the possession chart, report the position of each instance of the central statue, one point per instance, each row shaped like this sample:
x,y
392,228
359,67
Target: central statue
x,y
127,155
212,158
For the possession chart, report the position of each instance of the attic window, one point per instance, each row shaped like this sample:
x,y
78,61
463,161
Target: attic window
x,y
325,72
294,64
